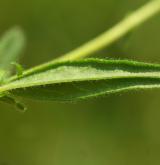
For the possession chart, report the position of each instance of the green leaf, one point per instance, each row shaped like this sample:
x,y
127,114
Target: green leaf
x,y
69,81
11,47
19,69
2,75
10,99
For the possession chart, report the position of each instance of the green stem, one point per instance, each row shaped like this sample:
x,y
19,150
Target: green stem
x,y
115,33
107,38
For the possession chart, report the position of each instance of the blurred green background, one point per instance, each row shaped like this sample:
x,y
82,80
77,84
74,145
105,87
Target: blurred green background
x,y
121,129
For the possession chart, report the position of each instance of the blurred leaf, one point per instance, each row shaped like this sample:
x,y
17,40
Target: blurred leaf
x,y
9,99
11,46
2,75
19,69
69,81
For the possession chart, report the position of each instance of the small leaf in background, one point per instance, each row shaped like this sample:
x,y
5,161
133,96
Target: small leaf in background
x,y
19,69
11,46
10,99
2,75
76,80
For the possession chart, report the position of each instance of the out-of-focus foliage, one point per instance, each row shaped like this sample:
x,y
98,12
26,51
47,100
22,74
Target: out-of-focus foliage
x,y
11,46
119,129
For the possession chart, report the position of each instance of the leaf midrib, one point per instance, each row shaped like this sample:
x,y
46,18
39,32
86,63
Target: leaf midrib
x,y
125,75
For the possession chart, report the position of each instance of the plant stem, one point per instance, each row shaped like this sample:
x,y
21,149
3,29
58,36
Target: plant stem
x,y
107,38
115,33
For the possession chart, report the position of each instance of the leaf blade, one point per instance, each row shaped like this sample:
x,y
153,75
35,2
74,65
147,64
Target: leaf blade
x,y
68,81
12,44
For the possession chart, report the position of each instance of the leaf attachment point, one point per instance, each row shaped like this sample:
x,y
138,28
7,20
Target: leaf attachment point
x,y
19,69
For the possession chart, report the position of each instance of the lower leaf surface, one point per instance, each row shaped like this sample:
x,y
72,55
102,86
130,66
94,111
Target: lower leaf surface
x,y
71,81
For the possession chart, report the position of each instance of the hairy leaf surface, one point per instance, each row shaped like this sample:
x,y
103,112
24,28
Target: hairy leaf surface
x,y
69,81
